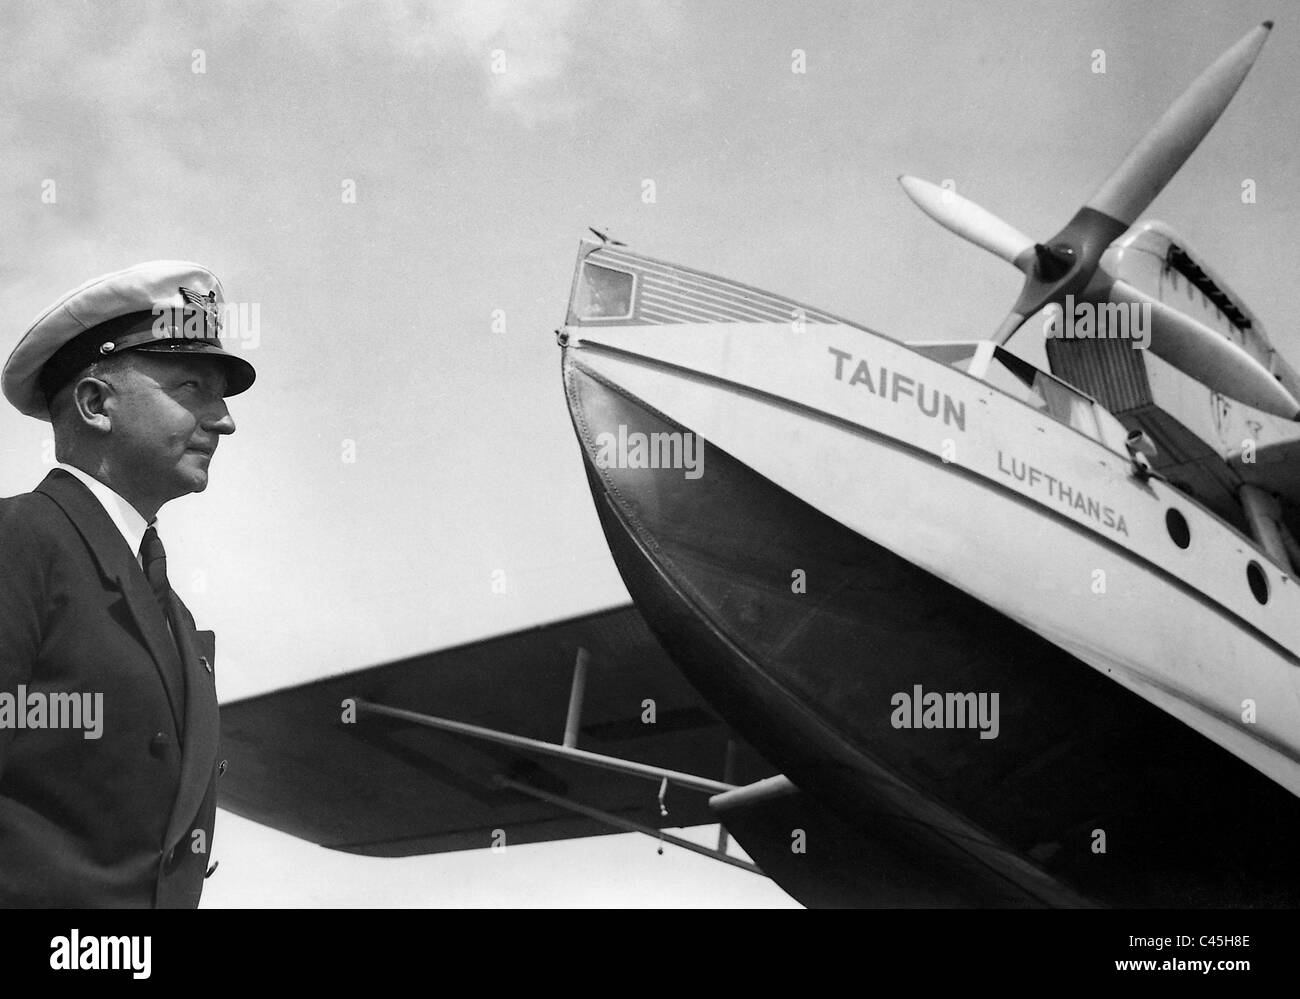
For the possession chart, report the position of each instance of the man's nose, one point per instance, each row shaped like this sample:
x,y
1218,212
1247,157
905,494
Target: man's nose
x,y
220,421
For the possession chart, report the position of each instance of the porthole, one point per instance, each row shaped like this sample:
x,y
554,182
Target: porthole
x,y
1178,529
1258,582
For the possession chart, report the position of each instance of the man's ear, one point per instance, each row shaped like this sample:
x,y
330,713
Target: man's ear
x,y
93,398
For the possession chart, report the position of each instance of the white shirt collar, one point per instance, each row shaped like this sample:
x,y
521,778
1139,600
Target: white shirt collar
x,y
124,516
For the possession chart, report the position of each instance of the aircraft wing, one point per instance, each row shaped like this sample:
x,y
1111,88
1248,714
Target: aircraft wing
x,y
385,783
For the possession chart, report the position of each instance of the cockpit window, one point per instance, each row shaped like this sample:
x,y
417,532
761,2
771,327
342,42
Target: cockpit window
x,y
1043,391
1067,405
1021,380
604,293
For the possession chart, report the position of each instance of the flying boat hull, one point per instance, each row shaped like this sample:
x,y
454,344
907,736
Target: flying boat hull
x,y
828,529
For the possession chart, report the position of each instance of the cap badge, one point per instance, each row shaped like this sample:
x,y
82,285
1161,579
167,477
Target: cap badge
x,y
208,305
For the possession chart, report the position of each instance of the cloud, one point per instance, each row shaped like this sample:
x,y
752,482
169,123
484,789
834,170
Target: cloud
x,y
79,122
537,58
522,48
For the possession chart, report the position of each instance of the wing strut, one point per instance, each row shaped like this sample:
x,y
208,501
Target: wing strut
x,y
576,693
628,825
569,752
729,775
644,770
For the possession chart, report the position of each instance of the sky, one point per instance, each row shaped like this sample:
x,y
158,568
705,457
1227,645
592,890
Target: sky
x,y
396,190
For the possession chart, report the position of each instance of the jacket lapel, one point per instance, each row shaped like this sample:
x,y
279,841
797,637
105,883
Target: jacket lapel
x,y
202,731
118,565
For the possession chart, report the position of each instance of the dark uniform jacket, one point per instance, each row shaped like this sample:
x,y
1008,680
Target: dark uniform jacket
x,y
125,819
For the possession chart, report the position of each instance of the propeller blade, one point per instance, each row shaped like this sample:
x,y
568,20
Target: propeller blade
x,y
971,222
1159,154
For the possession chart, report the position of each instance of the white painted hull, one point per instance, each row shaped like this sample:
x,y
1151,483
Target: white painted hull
x,y
1180,628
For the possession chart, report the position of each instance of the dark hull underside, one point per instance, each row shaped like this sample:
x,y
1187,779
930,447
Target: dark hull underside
x,y
1088,795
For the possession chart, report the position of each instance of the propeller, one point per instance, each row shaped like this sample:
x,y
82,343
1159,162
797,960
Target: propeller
x,y
969,221
1067,262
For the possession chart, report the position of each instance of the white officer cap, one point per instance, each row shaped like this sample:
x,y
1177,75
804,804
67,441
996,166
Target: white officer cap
x,y
163,306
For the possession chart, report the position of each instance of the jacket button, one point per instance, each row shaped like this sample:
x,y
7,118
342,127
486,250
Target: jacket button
x,y
159,743
221,768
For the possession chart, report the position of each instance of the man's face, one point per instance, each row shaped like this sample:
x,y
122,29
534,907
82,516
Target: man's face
x,y
168,413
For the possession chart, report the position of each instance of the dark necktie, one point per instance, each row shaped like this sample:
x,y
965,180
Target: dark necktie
x,y
154,559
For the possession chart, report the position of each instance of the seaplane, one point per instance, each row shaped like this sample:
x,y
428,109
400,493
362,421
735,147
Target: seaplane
x,y
1011,622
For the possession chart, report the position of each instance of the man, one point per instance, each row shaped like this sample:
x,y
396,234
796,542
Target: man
x,y
108,710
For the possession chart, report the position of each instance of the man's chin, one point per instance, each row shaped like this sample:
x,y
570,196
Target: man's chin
x,y
194,471
192,478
